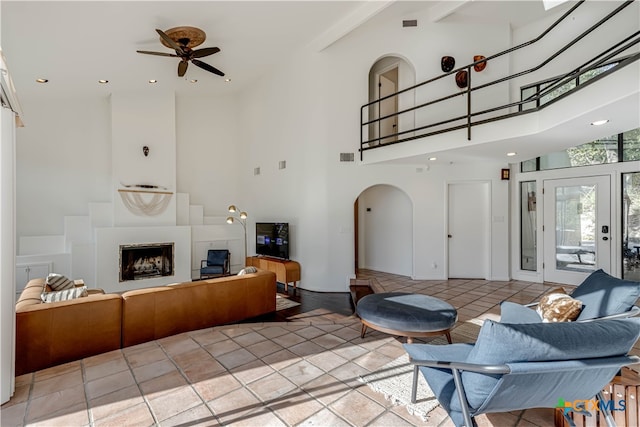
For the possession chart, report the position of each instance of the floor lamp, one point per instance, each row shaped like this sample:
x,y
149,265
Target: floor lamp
x,y
241,219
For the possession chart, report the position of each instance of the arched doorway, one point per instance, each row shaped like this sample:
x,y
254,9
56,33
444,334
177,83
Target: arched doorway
x,y
383,223
387,76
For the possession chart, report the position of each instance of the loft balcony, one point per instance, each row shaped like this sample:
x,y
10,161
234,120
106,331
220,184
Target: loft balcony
x,y
543,100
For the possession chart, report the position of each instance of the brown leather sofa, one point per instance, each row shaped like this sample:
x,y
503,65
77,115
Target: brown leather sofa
x,y
59,332
154,313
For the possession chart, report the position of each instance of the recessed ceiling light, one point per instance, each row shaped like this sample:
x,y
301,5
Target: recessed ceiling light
x,y
193,81
433,158
511,154
227,80
42,80
103,82
600,122
153,81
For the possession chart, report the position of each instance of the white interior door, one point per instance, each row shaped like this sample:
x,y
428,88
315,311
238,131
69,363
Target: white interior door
x,y
387,85
468,230
577,228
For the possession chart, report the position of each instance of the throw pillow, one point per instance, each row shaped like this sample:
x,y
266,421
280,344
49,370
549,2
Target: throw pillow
x,y
604,295
247,270
58,282
65,295
558,307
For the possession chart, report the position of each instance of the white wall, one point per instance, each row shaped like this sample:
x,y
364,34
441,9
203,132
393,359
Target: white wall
x,y
138,121
64,162
385,230
208,159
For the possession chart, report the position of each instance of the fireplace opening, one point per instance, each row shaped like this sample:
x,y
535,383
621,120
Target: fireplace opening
x,y
145,261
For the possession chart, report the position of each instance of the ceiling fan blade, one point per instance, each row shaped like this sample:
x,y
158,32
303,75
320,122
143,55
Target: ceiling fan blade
x,y
157,53
170,42
182,68
204,52
207,67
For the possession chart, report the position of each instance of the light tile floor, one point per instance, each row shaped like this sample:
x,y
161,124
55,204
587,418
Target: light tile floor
x,y
304,372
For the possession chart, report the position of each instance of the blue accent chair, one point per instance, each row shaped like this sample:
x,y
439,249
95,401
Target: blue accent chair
x,y
217,264
520,366
603,297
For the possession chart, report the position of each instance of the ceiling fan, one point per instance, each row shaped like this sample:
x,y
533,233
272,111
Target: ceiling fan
x,y
183,40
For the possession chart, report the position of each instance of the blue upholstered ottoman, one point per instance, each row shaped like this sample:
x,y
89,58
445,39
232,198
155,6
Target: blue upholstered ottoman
x,y
407,315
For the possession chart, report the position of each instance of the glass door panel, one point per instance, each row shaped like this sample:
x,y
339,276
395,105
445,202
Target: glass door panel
x,y
576,228
631,226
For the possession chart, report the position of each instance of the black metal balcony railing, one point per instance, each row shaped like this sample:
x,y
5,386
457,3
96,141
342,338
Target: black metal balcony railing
x,y
538,96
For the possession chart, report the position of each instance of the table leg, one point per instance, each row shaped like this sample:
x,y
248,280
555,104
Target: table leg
x,y
448,337
364,330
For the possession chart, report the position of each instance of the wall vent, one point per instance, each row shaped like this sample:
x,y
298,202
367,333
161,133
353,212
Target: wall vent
x,y
410,23
256,171
346,157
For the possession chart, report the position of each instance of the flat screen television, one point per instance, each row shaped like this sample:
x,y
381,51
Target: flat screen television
x,y
272,239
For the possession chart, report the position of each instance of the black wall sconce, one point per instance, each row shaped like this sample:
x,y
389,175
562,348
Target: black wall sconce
x,y
145,150
505,174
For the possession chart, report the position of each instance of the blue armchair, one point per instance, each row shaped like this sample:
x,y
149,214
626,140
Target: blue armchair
x,y
217,264
602,296
520,366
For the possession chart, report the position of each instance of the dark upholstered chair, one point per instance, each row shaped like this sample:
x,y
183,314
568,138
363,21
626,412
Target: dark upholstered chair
x,y
520,366
217,264
602,296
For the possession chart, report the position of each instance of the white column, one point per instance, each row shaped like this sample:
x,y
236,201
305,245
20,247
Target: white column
x,y
7,253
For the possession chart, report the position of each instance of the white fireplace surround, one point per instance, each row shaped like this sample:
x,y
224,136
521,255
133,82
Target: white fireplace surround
x,y
108,241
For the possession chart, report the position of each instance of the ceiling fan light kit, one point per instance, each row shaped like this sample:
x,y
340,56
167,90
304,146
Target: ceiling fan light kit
x,y
182,40
193,36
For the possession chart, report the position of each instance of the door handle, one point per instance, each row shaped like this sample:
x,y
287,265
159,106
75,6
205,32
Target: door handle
x,y
449,236
605,238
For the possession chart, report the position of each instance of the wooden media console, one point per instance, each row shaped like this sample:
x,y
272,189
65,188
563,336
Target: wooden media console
x,y
287,271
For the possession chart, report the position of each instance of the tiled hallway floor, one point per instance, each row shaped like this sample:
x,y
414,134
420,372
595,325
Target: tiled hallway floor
x,y
303,372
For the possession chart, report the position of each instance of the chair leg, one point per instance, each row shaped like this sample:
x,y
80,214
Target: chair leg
x,y
605,409
414,387
568,419
466,414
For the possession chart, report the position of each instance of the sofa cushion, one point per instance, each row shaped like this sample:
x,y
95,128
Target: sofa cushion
x,y
558,307
604,295
58,282
65,295
247,270
502,343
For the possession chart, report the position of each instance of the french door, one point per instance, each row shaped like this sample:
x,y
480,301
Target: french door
x,y
577,228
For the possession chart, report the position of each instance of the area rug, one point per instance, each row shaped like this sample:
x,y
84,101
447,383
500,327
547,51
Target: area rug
x,y
394,381
283,303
